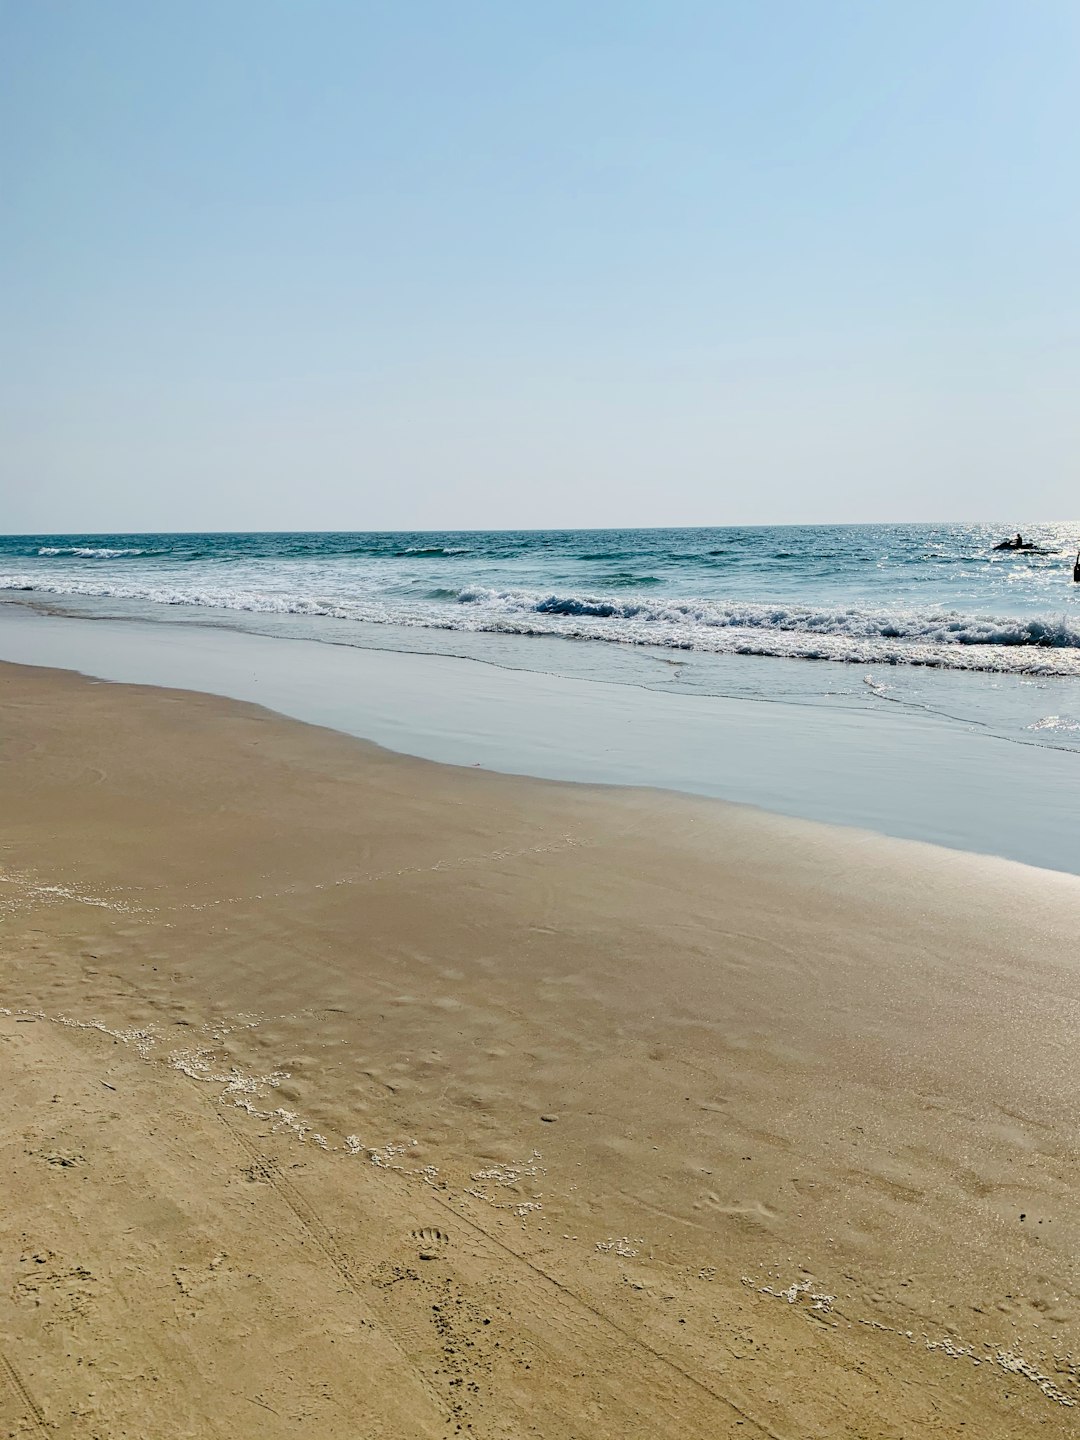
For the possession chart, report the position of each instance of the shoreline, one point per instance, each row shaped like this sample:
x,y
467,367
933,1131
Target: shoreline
x,y
927,596
353,1049
897,769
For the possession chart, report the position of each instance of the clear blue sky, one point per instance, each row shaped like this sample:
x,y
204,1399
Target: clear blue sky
x,y
348,265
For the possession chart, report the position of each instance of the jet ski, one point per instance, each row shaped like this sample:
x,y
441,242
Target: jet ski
x,y
1019,543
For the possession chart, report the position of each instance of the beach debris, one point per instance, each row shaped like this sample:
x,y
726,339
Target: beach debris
x,y
623,1246
508,1176
796,1291
143,1040
511,1174
387,1158
819,1301
1007,1361
28,893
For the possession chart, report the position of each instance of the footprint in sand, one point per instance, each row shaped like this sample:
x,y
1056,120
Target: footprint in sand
x,y
750,1212
430,1242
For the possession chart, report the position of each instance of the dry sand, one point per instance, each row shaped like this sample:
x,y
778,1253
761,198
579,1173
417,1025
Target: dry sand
x,y
348,1095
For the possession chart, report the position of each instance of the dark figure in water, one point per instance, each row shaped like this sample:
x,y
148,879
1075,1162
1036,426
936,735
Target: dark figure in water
x,y
1076,569
1019,543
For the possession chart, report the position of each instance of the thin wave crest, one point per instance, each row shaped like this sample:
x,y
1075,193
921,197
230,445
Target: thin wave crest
x,y
92,552
417,552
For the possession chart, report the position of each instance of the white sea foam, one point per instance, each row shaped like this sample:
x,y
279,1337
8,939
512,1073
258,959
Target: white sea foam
x,y
1044,645
1058,724
88,552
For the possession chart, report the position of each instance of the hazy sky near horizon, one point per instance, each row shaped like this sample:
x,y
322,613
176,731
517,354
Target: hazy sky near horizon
x,y
347,265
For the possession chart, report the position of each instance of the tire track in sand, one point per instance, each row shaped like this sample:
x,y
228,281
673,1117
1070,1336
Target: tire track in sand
x,y
308,1218
23,1393
633,1341
266,1168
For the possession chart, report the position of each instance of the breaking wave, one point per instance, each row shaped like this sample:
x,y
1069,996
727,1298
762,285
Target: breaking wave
x,y
948,627
91,552
951,639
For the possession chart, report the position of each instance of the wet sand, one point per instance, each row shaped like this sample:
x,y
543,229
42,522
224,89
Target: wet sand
x,y
354,1095
781,741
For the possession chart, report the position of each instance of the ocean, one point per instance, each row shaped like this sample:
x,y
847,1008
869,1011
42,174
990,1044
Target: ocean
x,y
942,702
927,595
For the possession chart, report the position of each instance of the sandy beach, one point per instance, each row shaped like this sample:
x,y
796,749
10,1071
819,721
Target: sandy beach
x,y
352,1095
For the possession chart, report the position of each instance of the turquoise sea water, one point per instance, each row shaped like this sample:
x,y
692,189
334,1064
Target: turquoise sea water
x,y
929,595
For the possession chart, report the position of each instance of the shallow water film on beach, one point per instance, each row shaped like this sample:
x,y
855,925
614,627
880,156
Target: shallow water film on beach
x,y
926,595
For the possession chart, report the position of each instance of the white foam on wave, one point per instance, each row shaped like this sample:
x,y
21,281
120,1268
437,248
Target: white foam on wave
x,y
1042,645
88,552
